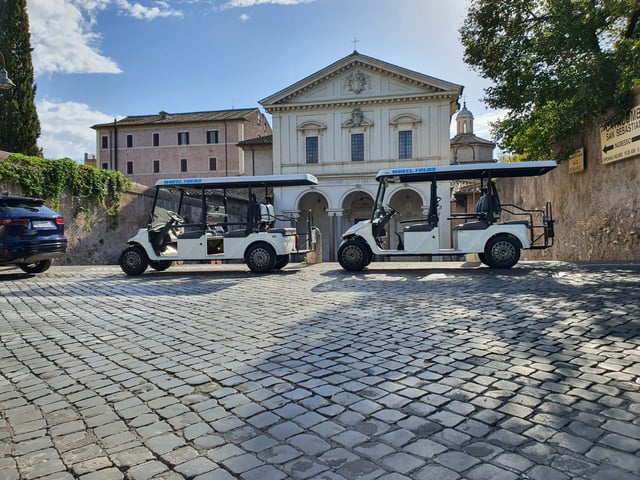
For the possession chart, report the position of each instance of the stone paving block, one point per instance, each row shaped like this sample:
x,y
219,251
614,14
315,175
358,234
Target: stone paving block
x,y
431,472
620,459
264,472
402,462
147,470
543,472
309,444
456,460
360,469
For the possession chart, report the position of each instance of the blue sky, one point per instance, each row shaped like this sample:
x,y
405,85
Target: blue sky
x,y
96,60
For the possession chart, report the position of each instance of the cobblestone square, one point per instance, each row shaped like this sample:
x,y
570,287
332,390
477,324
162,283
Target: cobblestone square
x,y
403,371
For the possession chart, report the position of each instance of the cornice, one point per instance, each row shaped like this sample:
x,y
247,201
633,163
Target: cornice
x,y
361,102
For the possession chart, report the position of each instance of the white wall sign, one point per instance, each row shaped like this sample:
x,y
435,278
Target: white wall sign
x,y
622,140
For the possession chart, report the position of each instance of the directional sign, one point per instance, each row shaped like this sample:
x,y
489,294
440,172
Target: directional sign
x,y
623,140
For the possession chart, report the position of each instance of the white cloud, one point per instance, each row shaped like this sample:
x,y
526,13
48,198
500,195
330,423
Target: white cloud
x,y
136,10
62,41
66,129
251,3
62,35
244,17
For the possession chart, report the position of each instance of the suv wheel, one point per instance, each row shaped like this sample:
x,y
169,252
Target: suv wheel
x,y
133,260
36,267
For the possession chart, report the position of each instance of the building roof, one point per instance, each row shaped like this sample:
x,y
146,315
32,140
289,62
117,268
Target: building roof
x,y
164,118
262,140
470,139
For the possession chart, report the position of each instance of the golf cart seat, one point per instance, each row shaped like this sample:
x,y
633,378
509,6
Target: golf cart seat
x,y
267,216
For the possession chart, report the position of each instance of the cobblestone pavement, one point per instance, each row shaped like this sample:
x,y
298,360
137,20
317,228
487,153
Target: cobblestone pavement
x,y
432,371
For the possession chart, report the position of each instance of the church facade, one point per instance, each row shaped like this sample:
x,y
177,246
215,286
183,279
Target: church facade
x,y
350,120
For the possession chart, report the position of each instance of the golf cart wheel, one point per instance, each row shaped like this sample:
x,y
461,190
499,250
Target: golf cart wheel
x,y
502,252
261,258
133,260
281,262
354,255
35,267
160,265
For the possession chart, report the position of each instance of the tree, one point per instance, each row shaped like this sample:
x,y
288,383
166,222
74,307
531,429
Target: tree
x,y
557,66
19,123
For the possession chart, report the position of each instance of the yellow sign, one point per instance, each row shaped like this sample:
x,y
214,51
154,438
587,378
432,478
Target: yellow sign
x,y
623,140
576,161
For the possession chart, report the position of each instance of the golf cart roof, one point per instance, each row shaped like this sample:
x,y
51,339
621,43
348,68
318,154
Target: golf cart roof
x,y
467,172
298,179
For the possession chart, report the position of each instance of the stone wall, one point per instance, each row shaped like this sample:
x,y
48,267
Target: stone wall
x,y
596,210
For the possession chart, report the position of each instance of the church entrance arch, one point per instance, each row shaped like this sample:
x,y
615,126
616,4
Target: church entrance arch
x,y
356,206
317,204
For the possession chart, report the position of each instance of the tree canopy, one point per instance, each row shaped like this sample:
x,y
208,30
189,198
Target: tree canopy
x,y
557,66
19,123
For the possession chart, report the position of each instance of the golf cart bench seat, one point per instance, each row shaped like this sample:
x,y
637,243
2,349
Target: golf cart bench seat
x,y
190,235
243,233
480,225
419,227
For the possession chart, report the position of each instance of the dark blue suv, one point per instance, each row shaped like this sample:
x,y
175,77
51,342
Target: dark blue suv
x,y
31,234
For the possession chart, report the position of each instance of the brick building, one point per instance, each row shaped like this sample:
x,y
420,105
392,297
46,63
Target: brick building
x,y
147,148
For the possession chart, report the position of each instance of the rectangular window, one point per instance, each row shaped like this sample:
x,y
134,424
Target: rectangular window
x,y
156,166
213,163
311,149
357,147
183,164
156,139
129,141
105,166
105,141
183,138
129,168
405,144
212,136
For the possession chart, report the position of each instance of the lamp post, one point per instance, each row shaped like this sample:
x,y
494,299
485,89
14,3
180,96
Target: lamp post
x,y
5,81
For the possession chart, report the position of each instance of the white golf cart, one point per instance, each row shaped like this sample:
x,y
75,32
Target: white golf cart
x,y
223,218
496,243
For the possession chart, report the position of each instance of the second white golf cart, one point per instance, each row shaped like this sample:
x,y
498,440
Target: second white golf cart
x,y
219,219
496,243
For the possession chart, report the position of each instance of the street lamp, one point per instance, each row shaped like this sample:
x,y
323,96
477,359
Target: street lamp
x,y
5,81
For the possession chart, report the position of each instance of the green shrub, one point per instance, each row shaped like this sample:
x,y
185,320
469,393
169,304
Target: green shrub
x,y
49,179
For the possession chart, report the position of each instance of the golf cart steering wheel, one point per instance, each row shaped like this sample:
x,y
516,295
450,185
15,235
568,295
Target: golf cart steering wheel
x,y
175,217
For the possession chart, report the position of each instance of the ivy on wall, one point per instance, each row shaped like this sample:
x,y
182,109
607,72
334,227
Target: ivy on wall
x,y
50,179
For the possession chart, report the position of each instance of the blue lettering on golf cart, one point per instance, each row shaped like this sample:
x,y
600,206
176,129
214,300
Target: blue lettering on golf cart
x,y
181,181
405,171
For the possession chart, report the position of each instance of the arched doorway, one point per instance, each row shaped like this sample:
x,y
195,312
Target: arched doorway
x,y
410,207
317,204
356,206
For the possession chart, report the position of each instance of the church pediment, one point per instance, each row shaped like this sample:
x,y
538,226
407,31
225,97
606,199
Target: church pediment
x,y
359,79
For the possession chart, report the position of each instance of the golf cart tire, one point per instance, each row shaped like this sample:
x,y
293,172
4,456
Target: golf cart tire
x,y
160,265
281,262
354,255
133,260
260,257
502,251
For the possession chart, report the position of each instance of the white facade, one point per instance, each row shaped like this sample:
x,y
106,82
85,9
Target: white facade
x,y
348,121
